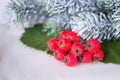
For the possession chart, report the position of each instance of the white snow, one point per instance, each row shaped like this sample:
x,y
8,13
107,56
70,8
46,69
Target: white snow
x,y
19,62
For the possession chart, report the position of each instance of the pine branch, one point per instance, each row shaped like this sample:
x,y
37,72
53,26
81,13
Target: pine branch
x,y
26,11
116,19
69,7
90,25
89,18
112,8
109,5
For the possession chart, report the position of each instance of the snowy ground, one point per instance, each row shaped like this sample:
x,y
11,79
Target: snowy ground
x,y
19,62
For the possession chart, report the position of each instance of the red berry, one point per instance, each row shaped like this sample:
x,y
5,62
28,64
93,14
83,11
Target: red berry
x,y
87,57
53,44
58,54
93,45
72,36
77,49
98,56
64,34
70,60
64,45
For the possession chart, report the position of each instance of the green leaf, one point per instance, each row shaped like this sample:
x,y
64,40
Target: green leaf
x,y
38,36
112,51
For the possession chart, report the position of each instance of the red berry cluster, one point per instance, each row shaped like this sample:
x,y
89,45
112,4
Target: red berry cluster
x,y
67,48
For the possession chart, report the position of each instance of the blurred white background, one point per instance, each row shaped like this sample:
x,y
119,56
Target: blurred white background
x,y
19,62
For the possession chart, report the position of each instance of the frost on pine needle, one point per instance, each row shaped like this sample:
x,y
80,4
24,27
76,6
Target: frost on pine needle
x,y
112,8
59,6
90,25
109,5
116,23
26,11
51,26
116,19
62,22
69,7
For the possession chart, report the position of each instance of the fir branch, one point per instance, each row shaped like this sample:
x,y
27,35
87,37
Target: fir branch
x,y
90,25
89,18
116,21
109,5
62,22
26,11
112,8
69,7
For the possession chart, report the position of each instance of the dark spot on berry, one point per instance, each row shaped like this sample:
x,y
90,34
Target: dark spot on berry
x,y
67,52
76,51
88,45
60,42
79,58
